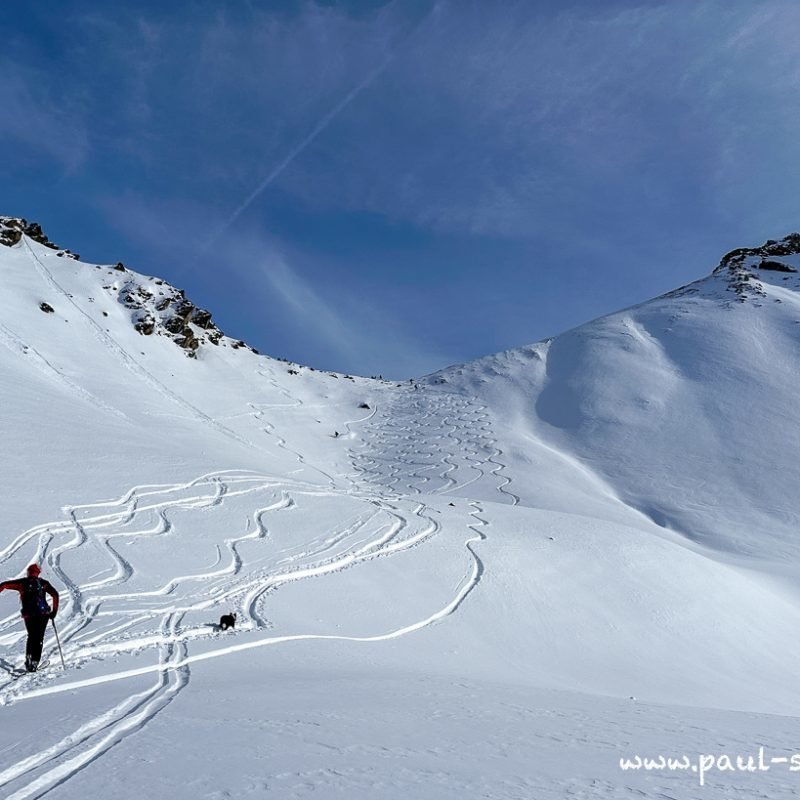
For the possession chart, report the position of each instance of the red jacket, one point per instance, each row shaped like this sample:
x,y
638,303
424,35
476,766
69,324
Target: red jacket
x,y
23,585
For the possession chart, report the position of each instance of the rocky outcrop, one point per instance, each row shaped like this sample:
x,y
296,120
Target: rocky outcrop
x,y
741,266
13,228
769,252
164,311
776,266
157,309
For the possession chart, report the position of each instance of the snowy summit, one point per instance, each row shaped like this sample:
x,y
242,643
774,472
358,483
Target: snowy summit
x,y
496,581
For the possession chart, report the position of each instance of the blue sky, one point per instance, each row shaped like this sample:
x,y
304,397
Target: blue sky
x,y
391,187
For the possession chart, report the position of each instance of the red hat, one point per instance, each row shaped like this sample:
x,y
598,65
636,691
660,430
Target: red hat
x,y
34,571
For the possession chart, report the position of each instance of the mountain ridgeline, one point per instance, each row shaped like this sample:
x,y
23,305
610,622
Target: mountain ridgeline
x,y
155,307
613,511
680,410
683,407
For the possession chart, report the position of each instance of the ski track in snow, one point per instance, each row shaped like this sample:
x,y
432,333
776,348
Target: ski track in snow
x,y
109,614
124,357
16,345
421,446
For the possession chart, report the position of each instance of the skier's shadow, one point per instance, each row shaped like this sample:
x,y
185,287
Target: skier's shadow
x,y
8,666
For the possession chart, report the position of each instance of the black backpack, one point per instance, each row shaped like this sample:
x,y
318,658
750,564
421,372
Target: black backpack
x,y
33,597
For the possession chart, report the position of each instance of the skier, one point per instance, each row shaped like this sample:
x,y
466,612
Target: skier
x,y
35,611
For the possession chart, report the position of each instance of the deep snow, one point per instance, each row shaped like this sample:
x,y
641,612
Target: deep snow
x,y
495,582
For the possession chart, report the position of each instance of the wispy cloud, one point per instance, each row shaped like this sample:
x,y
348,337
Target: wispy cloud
x,y
307,306
270,293
37,122
347,332
497,122
296,150
494,119
499,136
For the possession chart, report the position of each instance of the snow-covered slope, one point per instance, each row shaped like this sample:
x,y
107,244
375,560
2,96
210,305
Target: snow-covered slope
x,y
444,588
683,407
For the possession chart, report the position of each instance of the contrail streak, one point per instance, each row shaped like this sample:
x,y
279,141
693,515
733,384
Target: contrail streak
x,y
296,151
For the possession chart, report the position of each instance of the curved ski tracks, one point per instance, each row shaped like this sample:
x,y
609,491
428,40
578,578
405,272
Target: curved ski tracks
x,y
382,530
436,442
460,451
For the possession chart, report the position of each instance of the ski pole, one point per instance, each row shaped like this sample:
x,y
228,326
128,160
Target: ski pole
x,y
60,651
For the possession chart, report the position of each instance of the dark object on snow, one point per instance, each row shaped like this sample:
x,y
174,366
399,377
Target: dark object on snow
x,y
202,318
777,266
146,325
36,627
364,405
227,621
46,307
35,611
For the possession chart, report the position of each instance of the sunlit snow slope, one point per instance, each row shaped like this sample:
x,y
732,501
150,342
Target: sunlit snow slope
x,y
684,407
440,585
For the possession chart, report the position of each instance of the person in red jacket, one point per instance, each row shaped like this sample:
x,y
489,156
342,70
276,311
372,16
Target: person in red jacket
x,y
35,611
